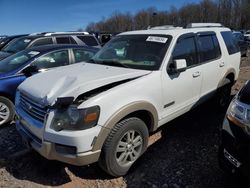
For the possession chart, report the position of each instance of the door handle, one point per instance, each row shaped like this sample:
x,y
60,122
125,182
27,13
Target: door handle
x,y
196,74
222,64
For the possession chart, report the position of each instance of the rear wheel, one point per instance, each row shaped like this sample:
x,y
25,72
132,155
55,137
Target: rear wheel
x,y
224,96
6,111
124,145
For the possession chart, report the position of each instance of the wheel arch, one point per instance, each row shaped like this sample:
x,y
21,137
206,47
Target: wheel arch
x,y
228,78
143,110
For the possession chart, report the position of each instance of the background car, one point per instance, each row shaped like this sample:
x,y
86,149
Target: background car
x,y
4,41
234,150
242,42
16,68
79,38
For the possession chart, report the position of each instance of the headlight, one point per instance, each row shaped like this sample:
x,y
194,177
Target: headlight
x,y
72,118
239,114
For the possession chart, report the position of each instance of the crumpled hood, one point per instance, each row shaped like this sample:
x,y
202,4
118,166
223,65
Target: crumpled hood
x,y
74,80
4,55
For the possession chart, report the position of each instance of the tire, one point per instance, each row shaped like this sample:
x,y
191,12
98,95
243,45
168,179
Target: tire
x,y
223,97
117,163
7,111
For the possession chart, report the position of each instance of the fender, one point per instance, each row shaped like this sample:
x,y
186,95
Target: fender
x,y
120,114
224,81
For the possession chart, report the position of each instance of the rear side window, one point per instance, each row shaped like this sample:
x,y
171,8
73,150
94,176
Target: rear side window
x,y
186,49
44,41
82,55
63,40
209,47
232,46
88,40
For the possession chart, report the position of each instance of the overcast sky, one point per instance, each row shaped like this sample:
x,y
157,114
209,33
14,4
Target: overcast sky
x,y
28,16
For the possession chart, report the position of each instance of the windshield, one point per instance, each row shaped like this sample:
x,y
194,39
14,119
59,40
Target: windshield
x,y
14,61
17,45
134,51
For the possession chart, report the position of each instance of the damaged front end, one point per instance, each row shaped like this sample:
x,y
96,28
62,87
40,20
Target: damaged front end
x,y
68,116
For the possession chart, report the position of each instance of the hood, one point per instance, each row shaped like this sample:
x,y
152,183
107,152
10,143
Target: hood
x,y
244,94
74,80
4,55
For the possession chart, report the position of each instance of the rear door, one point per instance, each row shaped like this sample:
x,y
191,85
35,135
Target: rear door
x,y
211,61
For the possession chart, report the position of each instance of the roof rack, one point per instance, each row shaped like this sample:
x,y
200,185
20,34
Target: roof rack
x,y
199,25
38,33
164,27
69,32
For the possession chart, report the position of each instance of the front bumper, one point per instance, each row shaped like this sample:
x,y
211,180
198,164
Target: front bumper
x,y
234,151
54,151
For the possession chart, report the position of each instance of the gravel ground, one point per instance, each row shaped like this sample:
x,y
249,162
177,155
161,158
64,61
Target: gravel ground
x,y
182,154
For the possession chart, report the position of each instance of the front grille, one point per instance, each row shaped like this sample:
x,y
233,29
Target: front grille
x,y
35,110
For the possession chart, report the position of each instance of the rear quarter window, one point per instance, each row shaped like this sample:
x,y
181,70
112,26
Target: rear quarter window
x,y
88,40
231,43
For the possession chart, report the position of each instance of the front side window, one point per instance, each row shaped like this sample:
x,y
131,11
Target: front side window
x,y
17,60
82,55
44,41
209,47
53,59
134,51
17,45
186,49
231,43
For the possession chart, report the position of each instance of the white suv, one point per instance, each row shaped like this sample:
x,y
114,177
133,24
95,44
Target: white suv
x,y
103,110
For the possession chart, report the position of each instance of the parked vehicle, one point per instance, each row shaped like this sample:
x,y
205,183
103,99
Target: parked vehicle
x,y
80,38
16,68
247,35
140,80
2,36
4,41
242,42
234,148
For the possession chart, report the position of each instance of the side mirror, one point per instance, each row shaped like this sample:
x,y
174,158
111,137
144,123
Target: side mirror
x,y
180,65
28,71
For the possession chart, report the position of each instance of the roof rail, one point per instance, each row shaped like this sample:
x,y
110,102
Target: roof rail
x,y
38,33
164,27
199,25
69,32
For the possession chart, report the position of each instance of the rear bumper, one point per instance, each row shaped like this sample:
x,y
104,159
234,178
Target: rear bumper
x,y
54,151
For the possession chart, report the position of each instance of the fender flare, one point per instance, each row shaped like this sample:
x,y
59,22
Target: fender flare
x,y
122,113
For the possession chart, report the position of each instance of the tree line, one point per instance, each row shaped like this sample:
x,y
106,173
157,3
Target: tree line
x,y
231,13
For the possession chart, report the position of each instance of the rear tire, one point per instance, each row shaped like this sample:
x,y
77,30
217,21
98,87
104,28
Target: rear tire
x,y
126,142
7,111
223,97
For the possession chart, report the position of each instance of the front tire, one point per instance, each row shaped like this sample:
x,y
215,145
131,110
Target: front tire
x,y
126,142
6,111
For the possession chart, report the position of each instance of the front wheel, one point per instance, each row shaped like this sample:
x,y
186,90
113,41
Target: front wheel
x,y
6,111
126,142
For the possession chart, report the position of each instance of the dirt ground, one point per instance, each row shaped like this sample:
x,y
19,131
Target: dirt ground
x,y
182,154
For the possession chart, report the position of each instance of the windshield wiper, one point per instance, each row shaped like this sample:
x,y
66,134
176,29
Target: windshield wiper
x,y
114,63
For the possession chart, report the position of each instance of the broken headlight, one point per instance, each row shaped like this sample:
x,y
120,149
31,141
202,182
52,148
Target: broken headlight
x,y
72,118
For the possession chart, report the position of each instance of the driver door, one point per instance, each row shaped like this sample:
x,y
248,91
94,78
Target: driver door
x,y
182,90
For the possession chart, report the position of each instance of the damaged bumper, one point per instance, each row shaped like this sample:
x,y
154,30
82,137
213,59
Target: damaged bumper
x,y
57,151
